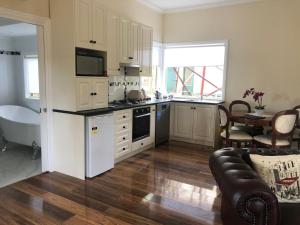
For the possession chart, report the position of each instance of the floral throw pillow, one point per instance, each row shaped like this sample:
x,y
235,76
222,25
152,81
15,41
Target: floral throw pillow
x,y
281,173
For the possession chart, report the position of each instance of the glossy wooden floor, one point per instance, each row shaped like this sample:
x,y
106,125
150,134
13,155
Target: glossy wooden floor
x,y
168,185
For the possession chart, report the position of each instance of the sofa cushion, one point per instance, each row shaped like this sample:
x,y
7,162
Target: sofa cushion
x,y
281,173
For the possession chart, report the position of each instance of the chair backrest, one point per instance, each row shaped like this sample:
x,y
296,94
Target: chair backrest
x,y
224,116
298,109
284,123
240,104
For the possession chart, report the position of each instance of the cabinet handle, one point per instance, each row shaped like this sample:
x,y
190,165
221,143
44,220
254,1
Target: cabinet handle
x,y
91,41
124,149
124,138
95,93
94,42
119,69
130,57
124,127
92,94
141,71
142,144
124,117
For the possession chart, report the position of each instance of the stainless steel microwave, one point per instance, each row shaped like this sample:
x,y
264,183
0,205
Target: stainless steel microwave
x,y
90,63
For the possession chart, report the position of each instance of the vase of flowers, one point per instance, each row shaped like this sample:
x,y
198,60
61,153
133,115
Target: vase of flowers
x,y
258,98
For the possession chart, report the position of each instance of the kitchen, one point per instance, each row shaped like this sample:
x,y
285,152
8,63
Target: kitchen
x,y
118,51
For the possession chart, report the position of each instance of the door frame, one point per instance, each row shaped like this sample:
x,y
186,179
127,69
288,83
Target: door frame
x,y
44,53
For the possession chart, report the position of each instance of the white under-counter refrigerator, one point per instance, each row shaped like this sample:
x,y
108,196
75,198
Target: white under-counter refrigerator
x,y
99,144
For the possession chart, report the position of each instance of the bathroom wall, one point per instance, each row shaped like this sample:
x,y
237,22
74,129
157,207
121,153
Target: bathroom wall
x,y
27,45
12,73
117,85
7,74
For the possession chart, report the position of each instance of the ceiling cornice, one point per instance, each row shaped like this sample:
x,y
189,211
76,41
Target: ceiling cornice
x,y
197,7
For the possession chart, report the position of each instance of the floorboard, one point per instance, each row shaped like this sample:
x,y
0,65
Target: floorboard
x,y
171,184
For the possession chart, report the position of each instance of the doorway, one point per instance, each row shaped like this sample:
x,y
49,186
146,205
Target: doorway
x,y
22,95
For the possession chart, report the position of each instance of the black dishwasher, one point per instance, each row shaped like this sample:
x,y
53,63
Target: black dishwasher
x,y
162,129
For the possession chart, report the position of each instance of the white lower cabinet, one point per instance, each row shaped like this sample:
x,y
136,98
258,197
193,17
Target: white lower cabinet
x,y
124,147
123,132
194,123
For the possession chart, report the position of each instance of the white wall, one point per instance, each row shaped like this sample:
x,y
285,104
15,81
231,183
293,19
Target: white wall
x,y
27,46
264,46
36,7
12,85
8,94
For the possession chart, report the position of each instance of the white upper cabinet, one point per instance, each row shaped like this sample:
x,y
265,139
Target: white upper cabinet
x,y
92,93
113,59
146,44
100,88
134,43
124,40
84,29
90,25
99,26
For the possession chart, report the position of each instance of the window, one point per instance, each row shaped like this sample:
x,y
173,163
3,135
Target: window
x,y
31,75
196,71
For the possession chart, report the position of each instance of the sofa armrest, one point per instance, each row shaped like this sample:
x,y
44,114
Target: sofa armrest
x,y
240,185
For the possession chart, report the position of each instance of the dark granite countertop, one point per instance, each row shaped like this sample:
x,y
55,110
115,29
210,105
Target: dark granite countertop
x,y
112,108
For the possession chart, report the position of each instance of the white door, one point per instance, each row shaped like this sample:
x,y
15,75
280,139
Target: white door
x,y
113,62
100,97
204,125
146,51
124,40
134,39
183,121
84,28
99,27
84,93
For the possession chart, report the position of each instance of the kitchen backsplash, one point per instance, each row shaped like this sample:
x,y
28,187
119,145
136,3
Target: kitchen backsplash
x,y
117,85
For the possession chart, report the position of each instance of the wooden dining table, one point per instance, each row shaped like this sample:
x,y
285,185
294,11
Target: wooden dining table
x,y
240,117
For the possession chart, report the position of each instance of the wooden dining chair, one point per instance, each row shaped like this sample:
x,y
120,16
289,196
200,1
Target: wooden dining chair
x,y
296,136
283,127
242,106
227,133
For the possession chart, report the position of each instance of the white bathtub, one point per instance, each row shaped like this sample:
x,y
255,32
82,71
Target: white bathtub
x,y
20,125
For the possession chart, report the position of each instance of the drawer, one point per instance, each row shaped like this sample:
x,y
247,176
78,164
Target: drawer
x,y
121,116
142,143
122,138
123,148
124,127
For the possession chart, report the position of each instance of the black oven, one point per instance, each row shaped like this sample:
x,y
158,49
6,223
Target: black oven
x,y
90,63
141,123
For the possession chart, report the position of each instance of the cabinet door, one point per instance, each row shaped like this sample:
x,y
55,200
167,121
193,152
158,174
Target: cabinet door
x,y
183,121
146,51
99,27
100,98
204,124
124,40
134,39
84,28
113,61
84,91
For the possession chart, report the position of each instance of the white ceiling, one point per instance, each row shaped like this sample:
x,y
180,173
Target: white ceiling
x,y
17,30
167,6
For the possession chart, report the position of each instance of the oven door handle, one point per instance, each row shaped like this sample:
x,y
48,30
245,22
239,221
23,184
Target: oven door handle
x,y
144,115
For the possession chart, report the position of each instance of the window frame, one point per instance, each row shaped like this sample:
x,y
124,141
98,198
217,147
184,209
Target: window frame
x,y
224,43
26,85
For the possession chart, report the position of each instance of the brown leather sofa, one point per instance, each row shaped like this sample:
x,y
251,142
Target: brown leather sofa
x,y
246,199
